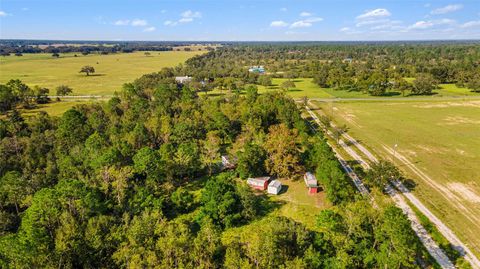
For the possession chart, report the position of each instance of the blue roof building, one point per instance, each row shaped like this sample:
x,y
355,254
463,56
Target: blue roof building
x,y
257,69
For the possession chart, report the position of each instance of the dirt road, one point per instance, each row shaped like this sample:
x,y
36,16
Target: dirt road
x,y
446,232
431,246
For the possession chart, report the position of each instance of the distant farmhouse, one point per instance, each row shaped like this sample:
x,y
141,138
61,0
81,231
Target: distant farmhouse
x,y
311,182
257,69
183,80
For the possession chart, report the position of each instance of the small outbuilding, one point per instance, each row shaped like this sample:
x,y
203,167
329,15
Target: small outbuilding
x,y
311,182
274,187
229,162
257,69
183,80
258,183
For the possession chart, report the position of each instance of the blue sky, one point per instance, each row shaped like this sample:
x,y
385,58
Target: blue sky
x,y
240,20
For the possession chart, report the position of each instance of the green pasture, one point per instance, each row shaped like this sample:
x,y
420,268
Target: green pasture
x,y
56,108
441,138
306,87
112,70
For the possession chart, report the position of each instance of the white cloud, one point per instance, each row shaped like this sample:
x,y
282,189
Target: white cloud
x,y
191,14
149,29
185,17
446,9
313,19
301,24
278,24
345,29
3,13
185,20
163,11
421,25
283,9
305,14
139,22
376,13
471,24
122,22
134,22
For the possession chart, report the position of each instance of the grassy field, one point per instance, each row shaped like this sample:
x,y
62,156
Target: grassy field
x,y
447,90
112,70
441,138
298,205
303,87
306,87
56,108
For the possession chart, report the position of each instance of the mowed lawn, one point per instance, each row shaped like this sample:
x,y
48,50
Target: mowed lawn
x,y
298,204
55,108
112,70
303,87
444,90
441,138
306,87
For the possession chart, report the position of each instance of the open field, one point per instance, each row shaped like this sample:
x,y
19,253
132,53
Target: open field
x,y
112,70
303,87
56,108
440,138
297,204
306,87
445,90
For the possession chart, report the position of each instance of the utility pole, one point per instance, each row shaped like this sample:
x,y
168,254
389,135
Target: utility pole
x,y
393,154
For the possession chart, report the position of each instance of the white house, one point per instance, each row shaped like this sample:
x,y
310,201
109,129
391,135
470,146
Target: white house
x,y
274,187
183,80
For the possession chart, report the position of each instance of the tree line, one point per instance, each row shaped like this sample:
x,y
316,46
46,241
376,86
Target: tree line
x,y
15,94
376,69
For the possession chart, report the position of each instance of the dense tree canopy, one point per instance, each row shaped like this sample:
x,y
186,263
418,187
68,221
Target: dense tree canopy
x,y
372,68
136,182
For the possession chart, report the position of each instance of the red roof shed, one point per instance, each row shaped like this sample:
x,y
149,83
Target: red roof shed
x,y
259,183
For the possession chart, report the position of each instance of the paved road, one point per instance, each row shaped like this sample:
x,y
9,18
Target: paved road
x,y
431,246
446,232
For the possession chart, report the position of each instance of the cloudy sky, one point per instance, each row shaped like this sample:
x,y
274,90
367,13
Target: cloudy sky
x,y
232,20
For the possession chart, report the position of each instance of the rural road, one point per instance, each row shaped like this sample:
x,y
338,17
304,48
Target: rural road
x,y
431,246
446,232
80,96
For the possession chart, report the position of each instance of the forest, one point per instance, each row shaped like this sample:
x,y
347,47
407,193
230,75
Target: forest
x,y
19,47
376,69
136,182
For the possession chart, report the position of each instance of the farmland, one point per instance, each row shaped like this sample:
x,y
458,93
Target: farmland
x,y
423,132
111,71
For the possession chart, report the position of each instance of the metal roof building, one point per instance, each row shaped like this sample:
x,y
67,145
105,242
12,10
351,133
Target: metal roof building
x,y
274,187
